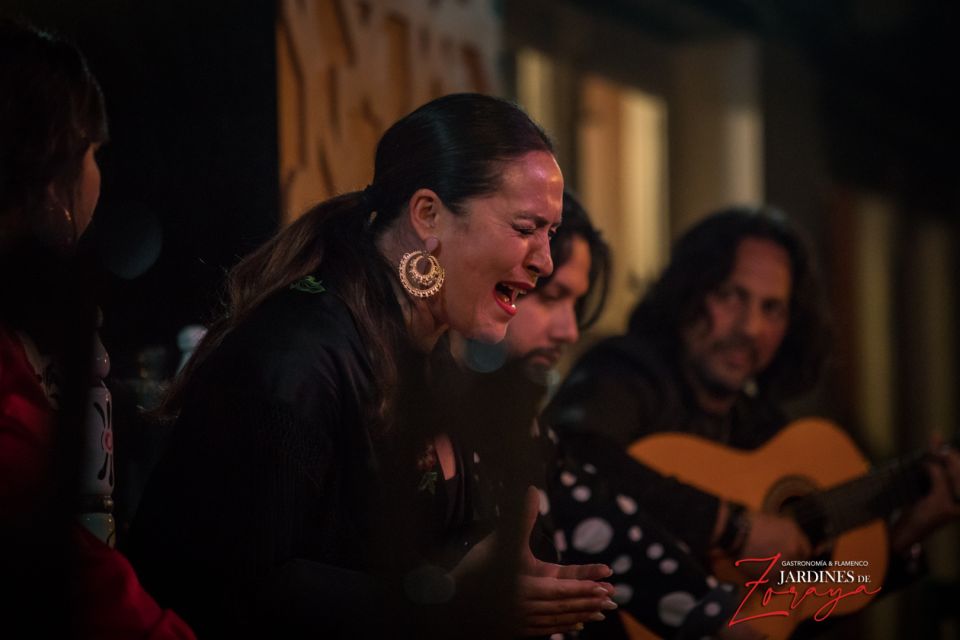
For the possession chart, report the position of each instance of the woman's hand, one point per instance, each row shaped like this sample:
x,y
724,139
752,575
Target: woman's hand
x,y
554,598
551,598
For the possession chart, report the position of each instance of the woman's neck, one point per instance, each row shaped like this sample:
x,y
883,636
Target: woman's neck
x,y
422,324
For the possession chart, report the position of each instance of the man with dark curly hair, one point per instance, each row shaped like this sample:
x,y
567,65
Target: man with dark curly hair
x,y
733,327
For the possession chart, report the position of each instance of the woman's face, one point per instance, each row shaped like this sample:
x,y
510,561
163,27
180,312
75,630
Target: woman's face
x,y
87,191
499,247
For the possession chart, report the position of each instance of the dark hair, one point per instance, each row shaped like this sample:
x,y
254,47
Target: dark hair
x,y
703,259
455,145
51,111
576,224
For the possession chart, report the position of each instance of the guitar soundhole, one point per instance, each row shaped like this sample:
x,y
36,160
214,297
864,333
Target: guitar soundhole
x,y
794,496
787,490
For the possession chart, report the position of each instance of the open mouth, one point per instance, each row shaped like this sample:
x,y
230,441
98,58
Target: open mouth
x,y
507,293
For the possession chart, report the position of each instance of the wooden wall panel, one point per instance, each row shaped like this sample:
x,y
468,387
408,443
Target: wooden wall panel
x,y
347,69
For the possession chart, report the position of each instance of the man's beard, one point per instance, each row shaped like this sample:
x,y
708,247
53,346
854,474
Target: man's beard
x,y
536,369
710,384
715,385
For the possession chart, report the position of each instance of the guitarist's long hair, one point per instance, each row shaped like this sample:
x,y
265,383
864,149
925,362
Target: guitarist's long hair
x,y
703,259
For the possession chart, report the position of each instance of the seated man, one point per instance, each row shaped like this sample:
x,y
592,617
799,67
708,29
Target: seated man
x,y
732,328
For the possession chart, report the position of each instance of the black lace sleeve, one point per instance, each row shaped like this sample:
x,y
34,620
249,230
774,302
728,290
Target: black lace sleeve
x,y
258,505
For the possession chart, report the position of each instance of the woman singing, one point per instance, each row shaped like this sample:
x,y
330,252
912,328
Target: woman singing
x,y
302,494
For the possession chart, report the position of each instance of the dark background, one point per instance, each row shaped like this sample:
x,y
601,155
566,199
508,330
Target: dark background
x,y
193,163
190,176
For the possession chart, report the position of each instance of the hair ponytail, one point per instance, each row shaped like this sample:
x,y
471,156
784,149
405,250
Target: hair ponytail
x,y
293,253
455,145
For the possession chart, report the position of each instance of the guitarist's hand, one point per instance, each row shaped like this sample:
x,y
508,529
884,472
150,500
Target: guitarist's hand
x,y
939,507
770,535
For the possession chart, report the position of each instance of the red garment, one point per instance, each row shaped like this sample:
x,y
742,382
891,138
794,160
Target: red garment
x,y
109,602
26,423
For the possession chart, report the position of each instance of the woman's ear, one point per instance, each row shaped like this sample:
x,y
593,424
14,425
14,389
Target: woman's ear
x,y
424,211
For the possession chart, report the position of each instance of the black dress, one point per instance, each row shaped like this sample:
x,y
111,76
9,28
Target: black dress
x,y
282,505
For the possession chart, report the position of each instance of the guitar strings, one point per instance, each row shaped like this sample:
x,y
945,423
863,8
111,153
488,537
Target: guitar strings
x,y
900,482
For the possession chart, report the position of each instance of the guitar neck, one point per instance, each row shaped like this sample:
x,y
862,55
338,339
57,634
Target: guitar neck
x,y
849,505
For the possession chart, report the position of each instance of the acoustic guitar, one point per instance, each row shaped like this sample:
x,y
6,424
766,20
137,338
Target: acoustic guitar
x,y
813,472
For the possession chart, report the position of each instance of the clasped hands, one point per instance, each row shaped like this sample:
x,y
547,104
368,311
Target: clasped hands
x,y
550,598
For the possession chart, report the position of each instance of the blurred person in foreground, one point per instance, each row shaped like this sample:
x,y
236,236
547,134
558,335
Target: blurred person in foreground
x,y
57,579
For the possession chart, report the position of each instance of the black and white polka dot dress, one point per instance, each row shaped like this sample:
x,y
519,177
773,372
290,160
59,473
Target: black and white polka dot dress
x,y
656,580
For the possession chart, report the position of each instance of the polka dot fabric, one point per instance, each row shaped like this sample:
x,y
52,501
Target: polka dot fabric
x,y
655,578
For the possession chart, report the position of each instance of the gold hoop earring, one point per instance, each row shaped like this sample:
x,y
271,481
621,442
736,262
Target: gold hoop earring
x,y
59,227
418,283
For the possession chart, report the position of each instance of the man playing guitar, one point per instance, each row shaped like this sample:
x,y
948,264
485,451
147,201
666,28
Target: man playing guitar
x,y
733,328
